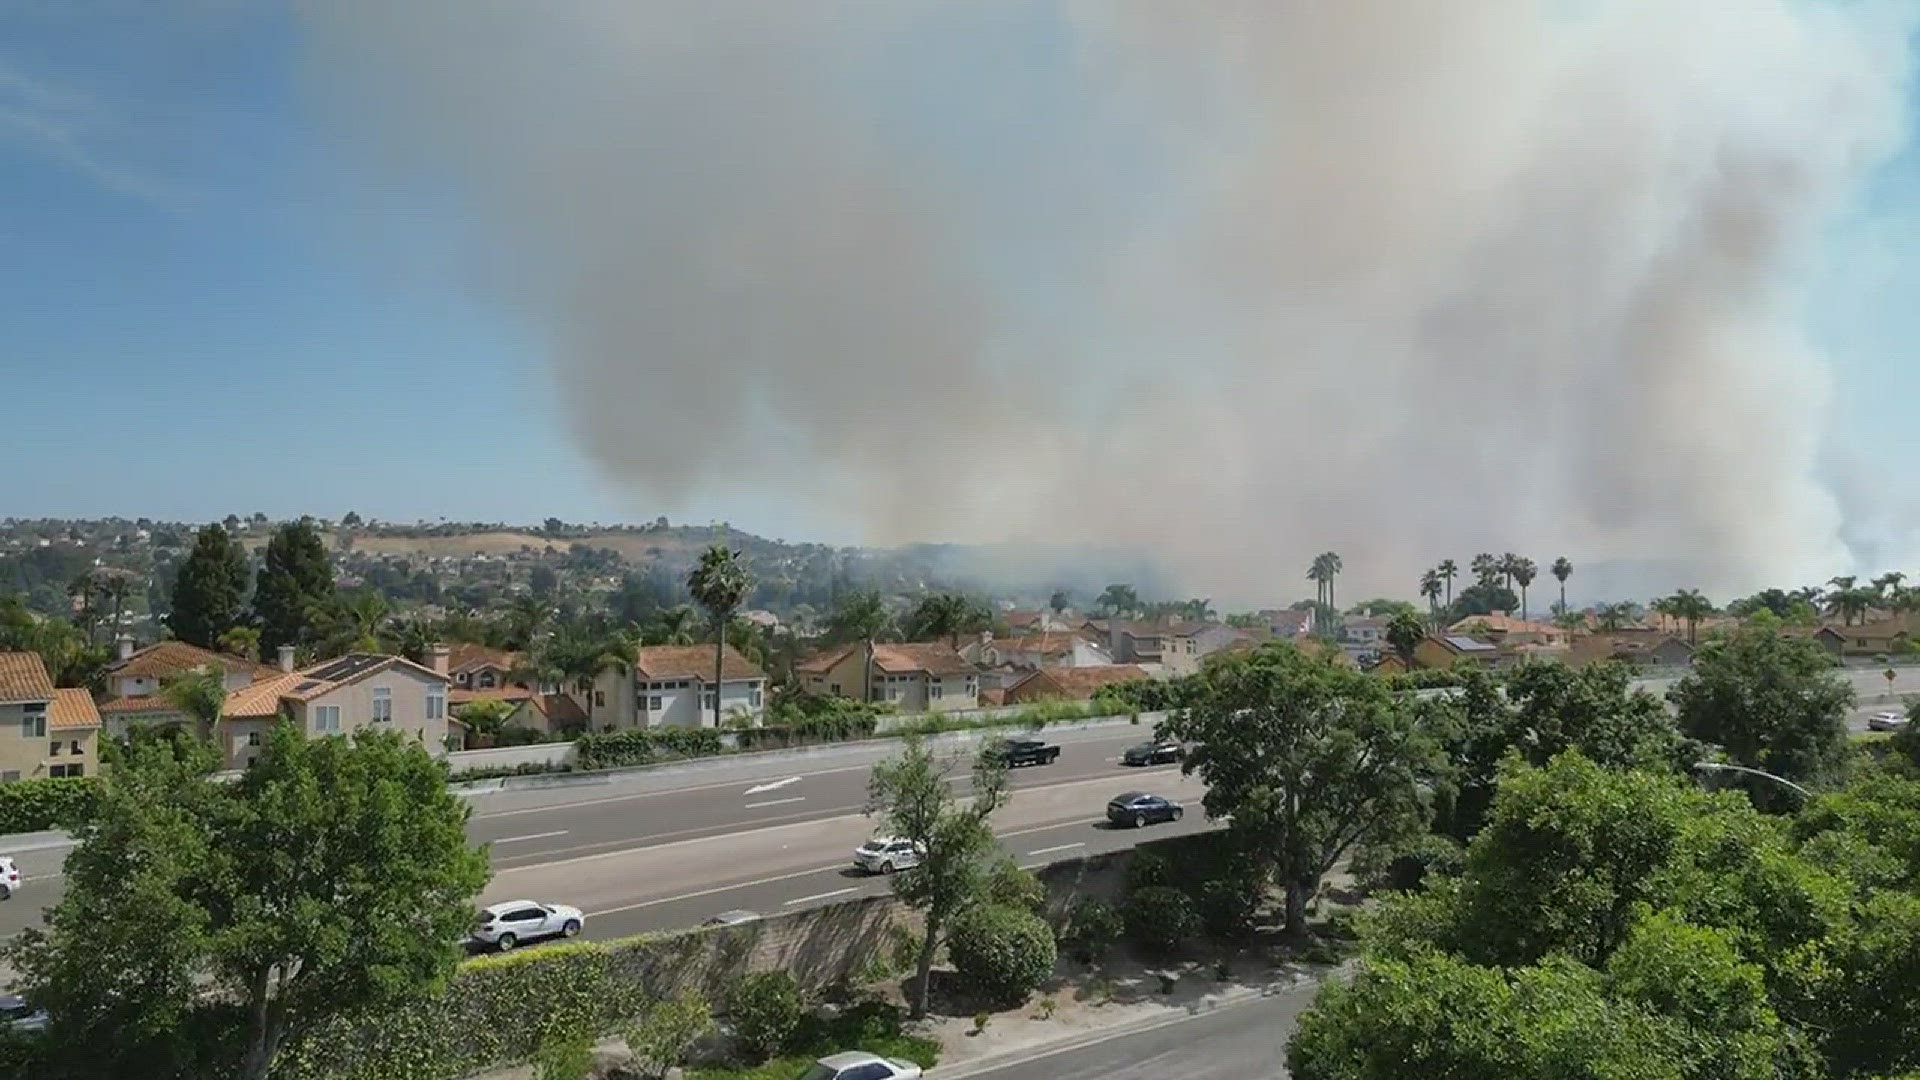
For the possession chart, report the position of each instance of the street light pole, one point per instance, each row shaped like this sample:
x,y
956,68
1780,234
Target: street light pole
x,y
1722,766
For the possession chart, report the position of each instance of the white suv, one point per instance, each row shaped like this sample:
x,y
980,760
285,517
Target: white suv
x,y
885,854
9,877
505,925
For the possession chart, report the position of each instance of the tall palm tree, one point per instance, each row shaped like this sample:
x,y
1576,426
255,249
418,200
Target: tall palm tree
x,y
1850,603
947,615
1562,569
524,617
412,638
1612,616
84,588
1486,568
1887,585
720,584
1118,601
202,695
1508,564
673,626
1430,588
1318,573
1333,568
574,655
1688,606
861,617
1447,569
1523,571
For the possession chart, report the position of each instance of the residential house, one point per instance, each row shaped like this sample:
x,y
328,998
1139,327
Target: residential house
x,y
1501,628
1641,648
1446,650
341,696
1365,632
1037,622
472,666
924,677
1051,648
548,713
1171,644
1071,683
136,680
1289,623
1872,638
672,686
44,732
983,650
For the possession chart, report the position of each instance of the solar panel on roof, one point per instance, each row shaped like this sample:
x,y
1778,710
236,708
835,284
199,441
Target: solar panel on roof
x,y
1467,643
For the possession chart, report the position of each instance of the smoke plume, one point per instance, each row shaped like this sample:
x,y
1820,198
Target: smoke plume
x,y
1232,283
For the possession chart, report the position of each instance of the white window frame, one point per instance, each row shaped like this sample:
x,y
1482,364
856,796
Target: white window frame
x,y
655,703
326,719
436,703
753,696
382,705
935,689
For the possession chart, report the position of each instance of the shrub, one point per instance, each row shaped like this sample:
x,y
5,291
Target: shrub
x,y
643,746
491,772
1010,886
1404,867
1092,928
766,1011
1146,869
1002,952
1161,919
1226,904
47,803
662,1038
565,1058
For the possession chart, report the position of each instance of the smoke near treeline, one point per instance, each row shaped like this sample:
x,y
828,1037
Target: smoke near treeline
x,y
1230,283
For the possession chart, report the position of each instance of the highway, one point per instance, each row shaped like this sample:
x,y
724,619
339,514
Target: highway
x,y
769,832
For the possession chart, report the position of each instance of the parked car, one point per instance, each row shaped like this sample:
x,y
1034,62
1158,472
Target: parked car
x,y
1160,752
861,1066
505,925
9,877
18,1014
1887,721
1018,752
736,917
885,854
1138,808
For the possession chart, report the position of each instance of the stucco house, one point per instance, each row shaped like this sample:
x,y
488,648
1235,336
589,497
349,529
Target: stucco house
x,y
44,731
339,697
1049,649
1502,628
672,686
923,677
1446,650
1071,683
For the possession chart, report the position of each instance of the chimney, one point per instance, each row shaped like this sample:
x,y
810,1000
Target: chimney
x,y
1114,636
126,646
286,658
438,657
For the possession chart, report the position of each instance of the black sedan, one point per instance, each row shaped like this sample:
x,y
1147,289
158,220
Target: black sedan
x,y
1138,809
1162,752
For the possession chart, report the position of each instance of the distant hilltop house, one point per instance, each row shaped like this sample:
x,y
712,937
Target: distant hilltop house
x,y
914,677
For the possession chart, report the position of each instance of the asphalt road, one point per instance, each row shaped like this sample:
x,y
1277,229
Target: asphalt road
x,y
1237,1042
664,849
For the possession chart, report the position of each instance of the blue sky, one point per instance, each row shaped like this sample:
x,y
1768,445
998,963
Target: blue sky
x,y
211,306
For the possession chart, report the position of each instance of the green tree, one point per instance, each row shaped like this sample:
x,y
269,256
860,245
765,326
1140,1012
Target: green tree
x,y
1523,571
1562,570
1486,568
720,584
1118,601
353,622
1430,587
240,641
1325,567
1448,570
947,615
1060,601
1309,759
672,626
575,654
202,695
860,616
1771,703
526,615
295,581
543,582
915,801
669,1029
210,591
1405,633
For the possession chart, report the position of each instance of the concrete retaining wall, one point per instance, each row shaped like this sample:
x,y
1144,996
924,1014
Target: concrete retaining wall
x,y
507,757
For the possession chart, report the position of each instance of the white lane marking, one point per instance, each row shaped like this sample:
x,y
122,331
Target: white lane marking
x,y
816,896
716,889
529,836
557,807
1056,847
774,786
775,802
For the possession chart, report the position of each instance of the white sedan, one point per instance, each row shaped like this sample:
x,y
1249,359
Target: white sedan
x,y
860,1066
505,925
885,854
1887,721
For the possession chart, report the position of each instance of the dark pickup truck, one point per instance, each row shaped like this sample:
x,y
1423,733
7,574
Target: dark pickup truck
x,y
1017,752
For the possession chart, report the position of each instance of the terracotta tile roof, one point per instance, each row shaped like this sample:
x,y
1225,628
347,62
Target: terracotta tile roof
x,y
1502,623
344,670
72,709
466,656
262,699
932,657
1885,630
692,662
1080,683
144,703
822,662
23,677
561,709
169,658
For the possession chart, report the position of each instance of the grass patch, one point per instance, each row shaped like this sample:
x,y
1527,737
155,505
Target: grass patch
x,y
870,1026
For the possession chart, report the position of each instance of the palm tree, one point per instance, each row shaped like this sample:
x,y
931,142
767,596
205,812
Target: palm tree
x,y
1326,567
1404,634
357,620
1508,565
1850,603
1199,609
1562,569
947,615
1430,588
861,617
674,626
1118,601
1447,569
524,617
84,588
574,655
1523,572
1486,568
412,638
720,584
1318,574
1612,616
1887,585
1686,605
202,695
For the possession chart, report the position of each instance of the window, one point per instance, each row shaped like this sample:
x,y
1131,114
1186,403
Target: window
x,y
870,1071
706,700
66,770
934,689
486,680
835,688
653,703
973,686
382,704
464,678
53,748
253,738
75,747
599,699
33,724
753,696
326,719
436,704
9,776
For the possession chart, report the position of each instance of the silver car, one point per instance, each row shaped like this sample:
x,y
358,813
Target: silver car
x,y
18,1014
861,1066
505,925
1887,721
885,854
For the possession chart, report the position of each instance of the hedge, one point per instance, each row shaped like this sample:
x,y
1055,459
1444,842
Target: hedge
x,y
643,746
47,803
